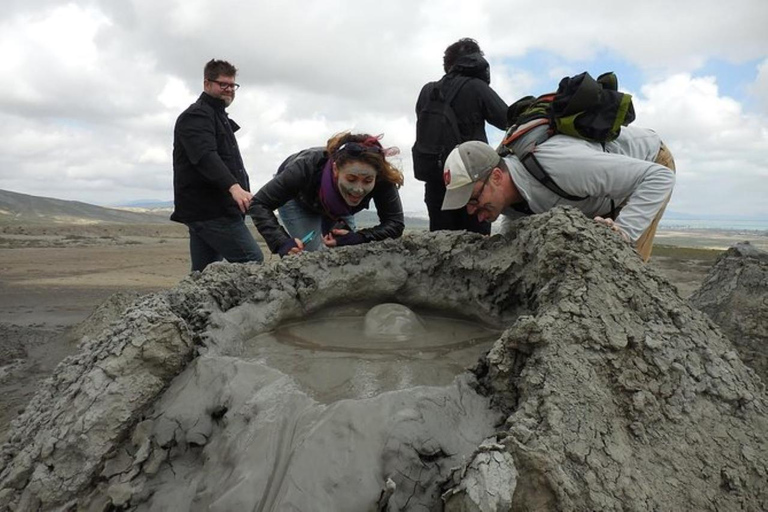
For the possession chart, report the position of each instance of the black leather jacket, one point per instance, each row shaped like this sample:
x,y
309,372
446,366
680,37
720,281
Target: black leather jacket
x,y
206,162
299,178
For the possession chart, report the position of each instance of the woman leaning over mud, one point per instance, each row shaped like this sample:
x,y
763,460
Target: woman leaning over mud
x,y
317,191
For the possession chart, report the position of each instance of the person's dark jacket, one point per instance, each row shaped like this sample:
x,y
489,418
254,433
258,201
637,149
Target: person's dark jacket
x,y
298,178
206,162
476,102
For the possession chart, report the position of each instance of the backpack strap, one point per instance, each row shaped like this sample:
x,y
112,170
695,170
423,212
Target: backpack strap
x,y
534,168
526,138
448,97
517,132
448,100
456,87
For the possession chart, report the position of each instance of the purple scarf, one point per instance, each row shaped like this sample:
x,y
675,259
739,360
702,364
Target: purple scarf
x,y
330,197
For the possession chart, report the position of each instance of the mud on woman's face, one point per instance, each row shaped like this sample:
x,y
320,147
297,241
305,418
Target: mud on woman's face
x,y
356,180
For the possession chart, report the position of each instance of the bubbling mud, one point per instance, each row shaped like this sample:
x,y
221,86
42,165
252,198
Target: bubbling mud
x,y
356,353
393,321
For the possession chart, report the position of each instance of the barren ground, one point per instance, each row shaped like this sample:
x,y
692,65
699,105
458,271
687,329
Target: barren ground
x,y
52,278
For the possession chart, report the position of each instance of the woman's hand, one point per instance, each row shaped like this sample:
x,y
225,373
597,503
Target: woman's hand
x,y
294,246
329,240
299,247
342,237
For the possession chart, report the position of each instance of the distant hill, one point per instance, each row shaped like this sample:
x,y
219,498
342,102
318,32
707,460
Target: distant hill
x,y
15,207
145,203
673,215
146,206
23,208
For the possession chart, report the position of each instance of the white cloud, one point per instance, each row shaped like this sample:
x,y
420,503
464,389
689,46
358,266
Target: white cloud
x,y
175,95
50,52
759,89
95,87
719,149
155,155
67,35
653,34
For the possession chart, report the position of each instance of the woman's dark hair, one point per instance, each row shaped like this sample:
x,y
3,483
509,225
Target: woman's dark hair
x,y
460,48
216,68
347,147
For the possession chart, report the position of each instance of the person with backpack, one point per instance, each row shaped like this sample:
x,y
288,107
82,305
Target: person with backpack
x,y
450,111
624,183
317,192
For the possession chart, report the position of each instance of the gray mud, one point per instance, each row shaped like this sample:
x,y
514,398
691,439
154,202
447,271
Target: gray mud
x,y
613,393
331,355
238,435
735,295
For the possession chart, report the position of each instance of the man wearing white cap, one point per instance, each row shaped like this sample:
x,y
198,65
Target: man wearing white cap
x,y
625,185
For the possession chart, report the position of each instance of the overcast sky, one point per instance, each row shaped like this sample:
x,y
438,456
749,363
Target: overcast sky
x,y
90,90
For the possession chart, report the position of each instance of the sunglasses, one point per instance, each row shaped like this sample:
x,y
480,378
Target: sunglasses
x,y
357,149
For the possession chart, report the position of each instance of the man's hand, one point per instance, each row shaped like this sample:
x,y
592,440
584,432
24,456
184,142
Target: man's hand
x,y
616,229
241,196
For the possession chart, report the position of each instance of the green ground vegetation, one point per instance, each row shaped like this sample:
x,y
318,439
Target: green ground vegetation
x,y
697,253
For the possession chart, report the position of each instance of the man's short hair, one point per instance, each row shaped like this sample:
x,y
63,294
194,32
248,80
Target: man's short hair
x,y
216,68
460,48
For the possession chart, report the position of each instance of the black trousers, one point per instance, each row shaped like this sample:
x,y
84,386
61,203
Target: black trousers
x,y
452,220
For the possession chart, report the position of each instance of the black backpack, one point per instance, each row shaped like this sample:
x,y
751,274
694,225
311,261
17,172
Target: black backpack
x,y
582,107
437,130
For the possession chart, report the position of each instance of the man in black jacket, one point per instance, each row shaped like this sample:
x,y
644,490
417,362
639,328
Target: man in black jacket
x,y
210,185
474,104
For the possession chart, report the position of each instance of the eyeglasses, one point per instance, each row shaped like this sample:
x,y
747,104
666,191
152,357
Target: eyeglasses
x,y
226,85
474,202
357,149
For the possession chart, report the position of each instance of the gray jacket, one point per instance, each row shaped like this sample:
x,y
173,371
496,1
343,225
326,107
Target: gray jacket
x,y
625,173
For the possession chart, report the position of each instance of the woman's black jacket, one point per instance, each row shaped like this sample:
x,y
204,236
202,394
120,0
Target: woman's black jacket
x,y
298,177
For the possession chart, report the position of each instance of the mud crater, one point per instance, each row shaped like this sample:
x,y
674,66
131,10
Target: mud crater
x,y
359,352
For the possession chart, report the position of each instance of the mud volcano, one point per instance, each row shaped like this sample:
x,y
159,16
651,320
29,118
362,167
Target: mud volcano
x,y
735,296
604,391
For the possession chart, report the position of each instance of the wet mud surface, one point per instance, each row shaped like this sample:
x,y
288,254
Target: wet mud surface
x,y
332,355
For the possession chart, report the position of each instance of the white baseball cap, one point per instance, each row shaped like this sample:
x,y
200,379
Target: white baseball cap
x,y
468,163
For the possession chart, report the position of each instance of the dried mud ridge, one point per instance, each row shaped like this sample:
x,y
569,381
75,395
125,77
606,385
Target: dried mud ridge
x,y
735,296
614,393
